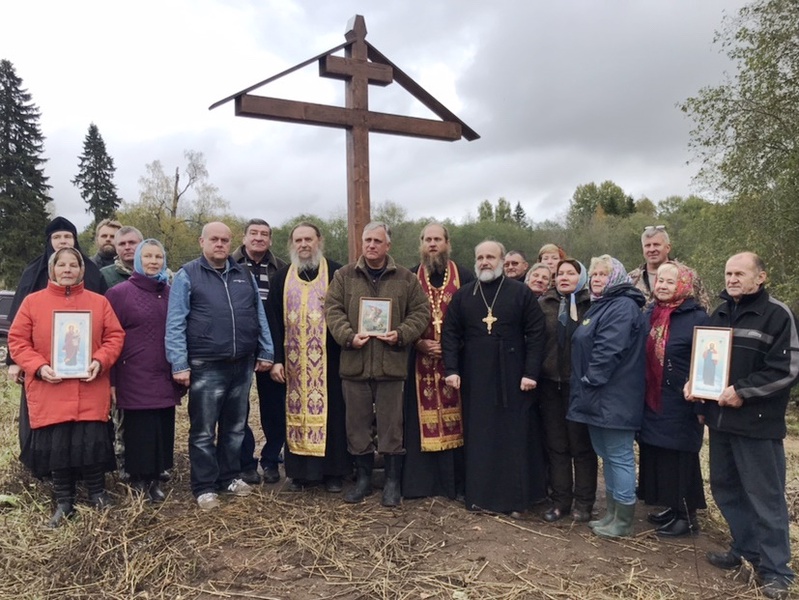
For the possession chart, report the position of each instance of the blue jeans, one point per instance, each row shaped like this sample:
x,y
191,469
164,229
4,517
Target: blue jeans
x,y
747,478
218,402
615,448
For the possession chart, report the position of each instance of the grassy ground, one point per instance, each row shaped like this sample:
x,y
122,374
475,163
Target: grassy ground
x,y
279,545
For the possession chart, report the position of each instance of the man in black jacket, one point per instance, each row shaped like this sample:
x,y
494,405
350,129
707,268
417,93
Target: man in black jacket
x,y
747,425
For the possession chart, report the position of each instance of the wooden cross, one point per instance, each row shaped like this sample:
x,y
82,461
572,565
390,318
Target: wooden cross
x,y
361,65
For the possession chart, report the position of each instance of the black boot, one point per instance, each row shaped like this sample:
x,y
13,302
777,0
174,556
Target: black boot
x,y
154,492
64,491
94,476
363,485
391,488
680,526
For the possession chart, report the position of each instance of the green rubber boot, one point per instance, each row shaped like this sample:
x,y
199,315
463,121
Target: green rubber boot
x,y
621,526
610,514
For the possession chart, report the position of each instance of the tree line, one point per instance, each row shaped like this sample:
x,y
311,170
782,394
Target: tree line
x,y
744,136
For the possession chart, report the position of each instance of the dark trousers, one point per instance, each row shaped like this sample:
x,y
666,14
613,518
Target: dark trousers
x,y
572,460
218,401
374,402
271,402
747,478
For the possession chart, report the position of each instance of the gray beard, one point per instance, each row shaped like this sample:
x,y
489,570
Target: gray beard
x,y
309,264
435,263
488,276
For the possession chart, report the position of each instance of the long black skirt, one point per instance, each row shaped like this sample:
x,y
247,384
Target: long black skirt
x,y
671,478
71,445
149,441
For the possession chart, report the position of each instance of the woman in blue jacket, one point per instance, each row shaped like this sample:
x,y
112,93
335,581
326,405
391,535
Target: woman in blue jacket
x,y
671,432
607,385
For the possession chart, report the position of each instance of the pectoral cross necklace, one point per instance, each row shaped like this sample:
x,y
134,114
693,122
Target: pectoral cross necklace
x,y
490,319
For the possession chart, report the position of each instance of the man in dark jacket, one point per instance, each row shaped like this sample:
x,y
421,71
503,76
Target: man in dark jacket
x,y
374,365
256,254
104,242
216,333
126,240
747,425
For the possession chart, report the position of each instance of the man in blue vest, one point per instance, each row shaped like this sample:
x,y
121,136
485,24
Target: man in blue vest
x,y
216,335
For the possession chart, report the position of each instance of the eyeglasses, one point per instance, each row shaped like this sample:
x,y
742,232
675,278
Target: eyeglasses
x,y
654,228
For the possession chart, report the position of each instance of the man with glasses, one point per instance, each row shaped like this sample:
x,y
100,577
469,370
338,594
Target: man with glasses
x,y
515,265
656,246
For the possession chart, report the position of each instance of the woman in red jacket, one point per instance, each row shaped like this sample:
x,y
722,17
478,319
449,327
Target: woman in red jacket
x,y
68,415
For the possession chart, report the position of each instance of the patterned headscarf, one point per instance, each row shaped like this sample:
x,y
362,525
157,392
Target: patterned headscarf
x,y
567,311
660,322
54,258
618,274
162,275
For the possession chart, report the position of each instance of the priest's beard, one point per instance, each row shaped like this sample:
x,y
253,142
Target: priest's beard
x,y
306,264
436,263
488,276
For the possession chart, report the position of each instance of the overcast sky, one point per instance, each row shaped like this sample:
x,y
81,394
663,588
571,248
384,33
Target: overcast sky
x,y
562,93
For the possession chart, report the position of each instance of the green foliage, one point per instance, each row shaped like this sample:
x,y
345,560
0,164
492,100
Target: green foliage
x,y
173,209
485,212
95,177
745,133
23,185
590,200
520,216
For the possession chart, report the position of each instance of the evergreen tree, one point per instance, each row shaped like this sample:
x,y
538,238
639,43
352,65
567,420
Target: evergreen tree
x,y
95,177
519,216
23,185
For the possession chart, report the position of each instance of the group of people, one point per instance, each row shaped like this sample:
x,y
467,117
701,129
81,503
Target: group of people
x,y
498,386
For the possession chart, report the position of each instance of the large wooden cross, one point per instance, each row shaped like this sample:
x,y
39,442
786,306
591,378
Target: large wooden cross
x,y
361,65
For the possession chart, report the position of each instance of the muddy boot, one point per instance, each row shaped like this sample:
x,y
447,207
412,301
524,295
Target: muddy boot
x,y
391,489
64,491
610,514
621,526
363,485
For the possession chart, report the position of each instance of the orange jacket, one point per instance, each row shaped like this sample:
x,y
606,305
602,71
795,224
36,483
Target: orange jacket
x,y
30,344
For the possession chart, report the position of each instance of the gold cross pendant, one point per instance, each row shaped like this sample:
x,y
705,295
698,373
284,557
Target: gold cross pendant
x,y
489,320
437,322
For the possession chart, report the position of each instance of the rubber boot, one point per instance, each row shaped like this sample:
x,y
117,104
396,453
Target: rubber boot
x,y
621,526
610,514
64,492
94,476
391,488
364,464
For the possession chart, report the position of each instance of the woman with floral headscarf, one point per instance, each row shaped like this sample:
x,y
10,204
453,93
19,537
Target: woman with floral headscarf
x,y
671,432
607,385
68,416
143,386
572,460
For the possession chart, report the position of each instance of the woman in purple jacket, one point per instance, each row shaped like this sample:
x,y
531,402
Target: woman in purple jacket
x,y
142,378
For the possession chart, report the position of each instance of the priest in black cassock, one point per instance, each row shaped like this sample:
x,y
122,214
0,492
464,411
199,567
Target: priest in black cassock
x,y
307,362
493,342
433,410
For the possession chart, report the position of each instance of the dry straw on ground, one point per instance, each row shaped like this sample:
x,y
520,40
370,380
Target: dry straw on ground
x,y
275,545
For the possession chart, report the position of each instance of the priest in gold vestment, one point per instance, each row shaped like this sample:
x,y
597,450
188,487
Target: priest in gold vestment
x,y
307,361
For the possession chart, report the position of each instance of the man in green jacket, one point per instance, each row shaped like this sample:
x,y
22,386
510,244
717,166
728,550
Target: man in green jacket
x,y
374,364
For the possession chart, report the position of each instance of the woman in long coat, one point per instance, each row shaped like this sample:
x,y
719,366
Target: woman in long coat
x,y
143,386
607,385
671,432
68,416
572,460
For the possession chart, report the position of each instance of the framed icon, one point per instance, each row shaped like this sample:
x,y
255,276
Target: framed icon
x,y
710,362
374,316
72,344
